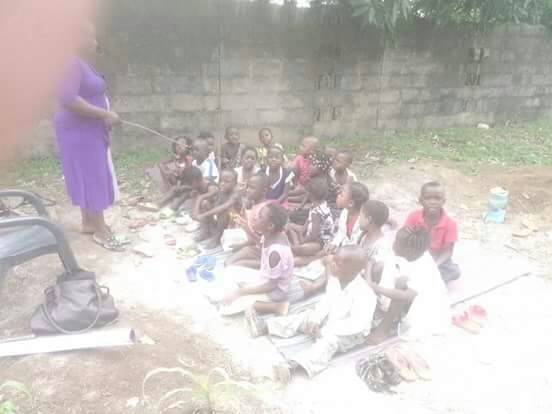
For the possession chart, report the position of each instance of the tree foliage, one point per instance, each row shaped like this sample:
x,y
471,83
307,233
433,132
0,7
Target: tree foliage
x,y
391,15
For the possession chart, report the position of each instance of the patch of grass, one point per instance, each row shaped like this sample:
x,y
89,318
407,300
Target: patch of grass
x,y
513,145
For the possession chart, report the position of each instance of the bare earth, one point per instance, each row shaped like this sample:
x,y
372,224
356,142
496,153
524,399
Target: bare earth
x,y
505,369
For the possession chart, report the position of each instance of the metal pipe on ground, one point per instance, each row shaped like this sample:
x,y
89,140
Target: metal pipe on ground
x,y
33,344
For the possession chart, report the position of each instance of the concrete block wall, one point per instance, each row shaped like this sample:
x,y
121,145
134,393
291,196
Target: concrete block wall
x,y
307,71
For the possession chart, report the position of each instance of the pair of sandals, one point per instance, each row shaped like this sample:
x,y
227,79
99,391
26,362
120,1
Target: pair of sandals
x,y
113,243
202,266
471,319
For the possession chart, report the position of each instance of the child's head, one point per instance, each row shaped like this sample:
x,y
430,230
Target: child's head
x,y
200,150
411,242
353,196
275,157
347,262
256,189
192,176
317,189
181,146
228,181
373,215
273,218
232,135
308,145
320,164
331,152
342,161
210,138
432,198
266,137
249,158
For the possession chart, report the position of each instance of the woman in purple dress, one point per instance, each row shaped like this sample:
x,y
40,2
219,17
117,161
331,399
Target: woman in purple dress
x,y
82,123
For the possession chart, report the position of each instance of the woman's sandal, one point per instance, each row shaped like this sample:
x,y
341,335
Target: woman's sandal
x,y
478,314
417,363
402,365
464,322
109,244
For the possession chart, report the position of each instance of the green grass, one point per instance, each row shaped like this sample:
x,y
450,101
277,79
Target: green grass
x,y
514,145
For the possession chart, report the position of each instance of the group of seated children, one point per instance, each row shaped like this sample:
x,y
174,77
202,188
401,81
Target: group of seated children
x,y
315,209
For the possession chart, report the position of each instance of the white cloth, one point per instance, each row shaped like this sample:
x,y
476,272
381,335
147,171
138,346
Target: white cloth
x,y
341,238
349,174
347,311
429,313
208,169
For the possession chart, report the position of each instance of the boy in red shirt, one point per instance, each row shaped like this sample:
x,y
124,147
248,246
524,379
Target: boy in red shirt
x,y
443,229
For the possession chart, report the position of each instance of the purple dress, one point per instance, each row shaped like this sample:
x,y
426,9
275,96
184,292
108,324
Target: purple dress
x,y
84,142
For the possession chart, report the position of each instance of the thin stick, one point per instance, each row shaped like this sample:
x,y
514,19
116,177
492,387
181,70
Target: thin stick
x,y
145,128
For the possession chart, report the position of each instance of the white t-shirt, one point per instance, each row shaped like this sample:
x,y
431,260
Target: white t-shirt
x,y
429,313
208,169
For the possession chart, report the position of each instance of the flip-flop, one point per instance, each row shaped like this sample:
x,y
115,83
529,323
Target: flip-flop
x,y
464,322
148,207
206,275
191,274
121,240
402,365
478,314
167,213
108,244
417,363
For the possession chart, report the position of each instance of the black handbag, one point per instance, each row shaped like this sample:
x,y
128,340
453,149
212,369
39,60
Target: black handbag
x,y
75,304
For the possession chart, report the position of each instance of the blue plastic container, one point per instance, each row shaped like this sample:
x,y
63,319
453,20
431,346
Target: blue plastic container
x,y
498,203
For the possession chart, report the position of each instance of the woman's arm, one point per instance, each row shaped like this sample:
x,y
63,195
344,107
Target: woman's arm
x,y
83,108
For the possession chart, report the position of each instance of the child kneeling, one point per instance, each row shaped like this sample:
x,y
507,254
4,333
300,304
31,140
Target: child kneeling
x,y
339,322
278,288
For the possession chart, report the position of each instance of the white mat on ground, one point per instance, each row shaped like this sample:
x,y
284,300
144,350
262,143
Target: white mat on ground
x,y
482,271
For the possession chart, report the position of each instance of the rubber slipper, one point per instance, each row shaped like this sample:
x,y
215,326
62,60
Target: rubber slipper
x,y
207,275
121,240
417,363
402,365
464,322
148,207
108,244
478,314
191,274
192,227
166,213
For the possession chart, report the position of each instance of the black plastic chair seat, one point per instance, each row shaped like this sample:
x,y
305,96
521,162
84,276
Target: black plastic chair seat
x,y
21,243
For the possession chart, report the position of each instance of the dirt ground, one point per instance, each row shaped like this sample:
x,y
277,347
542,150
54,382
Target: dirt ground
x,y
503,370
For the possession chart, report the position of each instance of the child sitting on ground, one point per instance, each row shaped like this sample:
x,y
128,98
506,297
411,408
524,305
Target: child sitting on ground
x,y
301,169
279,177
373,216
339,322
442,228
350,200
248,167
275,291
340,171
248,254
231,149
413,287
202,160
309,240
267,141
210,138
214,211
171,169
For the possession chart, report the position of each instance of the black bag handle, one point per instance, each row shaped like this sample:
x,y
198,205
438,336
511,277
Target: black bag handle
x,y
49,318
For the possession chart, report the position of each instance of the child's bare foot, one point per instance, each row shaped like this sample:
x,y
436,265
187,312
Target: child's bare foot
x,y
377,336
85,229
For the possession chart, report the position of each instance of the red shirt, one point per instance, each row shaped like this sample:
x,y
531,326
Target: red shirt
x,y
443,234
302,166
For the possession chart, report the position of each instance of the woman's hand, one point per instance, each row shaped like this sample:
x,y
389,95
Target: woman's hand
x,y
111,118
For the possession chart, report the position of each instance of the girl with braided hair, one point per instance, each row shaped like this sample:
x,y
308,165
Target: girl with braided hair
x,y
411,290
